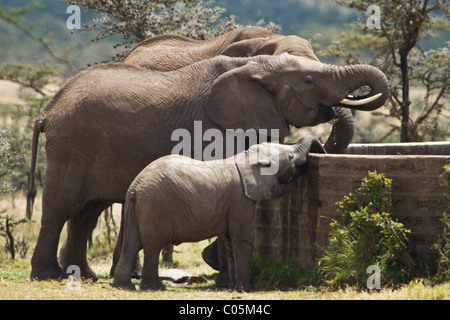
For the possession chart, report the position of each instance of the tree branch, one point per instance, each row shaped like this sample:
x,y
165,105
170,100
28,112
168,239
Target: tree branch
x,y
8,19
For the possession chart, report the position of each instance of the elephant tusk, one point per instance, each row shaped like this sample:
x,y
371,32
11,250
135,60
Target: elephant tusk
x,y
360,102
334,121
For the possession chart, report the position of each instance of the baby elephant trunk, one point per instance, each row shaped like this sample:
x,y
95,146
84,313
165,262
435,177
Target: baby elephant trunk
x,y
304,147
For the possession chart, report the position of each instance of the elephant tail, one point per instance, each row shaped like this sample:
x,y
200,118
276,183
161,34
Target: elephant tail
x,y
129,206
131,230
38,128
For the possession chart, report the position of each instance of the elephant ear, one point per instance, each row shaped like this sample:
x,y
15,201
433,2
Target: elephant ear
x,y
257,183
239,99
243,48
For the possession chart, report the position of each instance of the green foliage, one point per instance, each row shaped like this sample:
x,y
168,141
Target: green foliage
x,y
271,274
7,225
18,16
137,20
11,158
444,180
368,236
28,76
15,144
443,243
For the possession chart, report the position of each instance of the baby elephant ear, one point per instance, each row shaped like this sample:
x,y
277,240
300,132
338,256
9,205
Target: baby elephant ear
x,y
258,184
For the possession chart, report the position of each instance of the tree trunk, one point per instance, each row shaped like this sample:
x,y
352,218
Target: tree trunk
x,y
10,238
405,134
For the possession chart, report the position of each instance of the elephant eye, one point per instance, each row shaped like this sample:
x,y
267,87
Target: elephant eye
x,y
291,156
309,79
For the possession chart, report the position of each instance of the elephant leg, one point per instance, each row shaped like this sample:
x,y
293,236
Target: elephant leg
x,y
137,269
118,247
150,278
44,264
167,254
73,251
56,211
223,278
209,255
126,259
215,255
231,283
242,264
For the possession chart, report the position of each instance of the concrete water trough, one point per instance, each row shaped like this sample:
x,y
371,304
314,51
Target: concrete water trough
x,y
296,225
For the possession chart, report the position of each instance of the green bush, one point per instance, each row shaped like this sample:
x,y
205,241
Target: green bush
x,y
443,243
11,158
367,236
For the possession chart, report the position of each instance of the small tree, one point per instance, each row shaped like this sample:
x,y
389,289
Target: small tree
x,y
15,17
367,236
394,47
7,225
136,20
11,158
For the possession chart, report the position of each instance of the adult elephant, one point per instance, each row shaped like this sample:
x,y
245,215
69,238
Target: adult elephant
x,y
171,52
109,121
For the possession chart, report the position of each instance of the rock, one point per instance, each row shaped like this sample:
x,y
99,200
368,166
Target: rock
x,y
180,276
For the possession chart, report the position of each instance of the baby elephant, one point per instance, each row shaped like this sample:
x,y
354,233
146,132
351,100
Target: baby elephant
x,y
177,199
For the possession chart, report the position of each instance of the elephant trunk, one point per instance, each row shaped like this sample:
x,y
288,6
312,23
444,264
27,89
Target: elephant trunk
x,y
309,144
342,132
353,77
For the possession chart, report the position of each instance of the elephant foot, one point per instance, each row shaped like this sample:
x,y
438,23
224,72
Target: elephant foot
x,y
125,285
243,288
222,280
53,272
89,274
85,270
153,286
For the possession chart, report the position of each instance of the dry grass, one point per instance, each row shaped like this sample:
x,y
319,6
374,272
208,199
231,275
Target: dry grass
x,y
15,283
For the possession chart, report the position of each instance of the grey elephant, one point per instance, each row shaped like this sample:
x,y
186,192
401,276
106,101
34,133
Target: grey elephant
x,y
108,122
171,52
178,199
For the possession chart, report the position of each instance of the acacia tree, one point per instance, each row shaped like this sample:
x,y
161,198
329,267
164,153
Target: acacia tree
x,y
394,47
136,20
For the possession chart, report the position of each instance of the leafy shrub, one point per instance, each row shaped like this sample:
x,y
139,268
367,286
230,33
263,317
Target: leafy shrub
x,y
368,236
443,243
10,159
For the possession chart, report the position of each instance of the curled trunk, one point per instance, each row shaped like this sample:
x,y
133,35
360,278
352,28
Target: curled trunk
x,y
354,77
